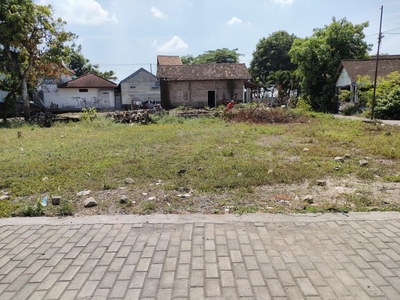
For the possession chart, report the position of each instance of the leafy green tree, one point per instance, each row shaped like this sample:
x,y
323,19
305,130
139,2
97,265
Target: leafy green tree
x,y
218,56
271,55
32,42
187,59
318,58
81,65
387,104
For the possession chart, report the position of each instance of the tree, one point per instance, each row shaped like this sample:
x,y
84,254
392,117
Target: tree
x,y
32,43
271,55
279,80
81,65
218,56
318,58
8,83
187,59
387,95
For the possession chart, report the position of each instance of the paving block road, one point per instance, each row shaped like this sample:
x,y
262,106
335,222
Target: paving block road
x,y
260,256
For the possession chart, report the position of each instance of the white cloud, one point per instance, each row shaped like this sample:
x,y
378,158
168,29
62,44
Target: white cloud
x,y
158,13
234,20
176,44
283,2
84,12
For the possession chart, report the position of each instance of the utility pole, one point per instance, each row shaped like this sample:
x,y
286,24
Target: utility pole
x,y
376,68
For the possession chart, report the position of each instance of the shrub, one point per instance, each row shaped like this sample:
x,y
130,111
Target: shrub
x,y
65,210
389,106
35,210
303,104
88,115
349,109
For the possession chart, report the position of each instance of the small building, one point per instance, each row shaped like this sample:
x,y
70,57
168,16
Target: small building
x,y
350,69
86,91
201,85
138,88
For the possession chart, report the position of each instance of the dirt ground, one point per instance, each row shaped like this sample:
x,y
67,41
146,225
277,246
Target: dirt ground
x,y
332,195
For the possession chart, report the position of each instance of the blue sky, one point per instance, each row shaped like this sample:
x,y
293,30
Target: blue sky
x,y
125,35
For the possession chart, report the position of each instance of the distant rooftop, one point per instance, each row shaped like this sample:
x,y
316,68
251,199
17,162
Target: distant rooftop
x,y
366,67
165,60
203,72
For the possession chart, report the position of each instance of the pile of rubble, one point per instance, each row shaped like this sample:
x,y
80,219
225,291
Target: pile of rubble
x,y
136,116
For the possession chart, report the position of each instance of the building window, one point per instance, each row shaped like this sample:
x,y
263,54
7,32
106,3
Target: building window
x,y
133,86
185,95
83,90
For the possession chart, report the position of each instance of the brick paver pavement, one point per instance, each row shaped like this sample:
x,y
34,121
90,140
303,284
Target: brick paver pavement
x,y
354,256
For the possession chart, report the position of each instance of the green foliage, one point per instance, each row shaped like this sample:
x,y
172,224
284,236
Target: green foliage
x,y
7,209
223,55
88,114
387,104
303,103
344,96
81,65
349,110
32,42
279,81
65,209
149,206
271,55
318,58
33,210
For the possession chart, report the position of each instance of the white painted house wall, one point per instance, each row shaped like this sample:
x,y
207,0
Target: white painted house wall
x,y
68,99
344,79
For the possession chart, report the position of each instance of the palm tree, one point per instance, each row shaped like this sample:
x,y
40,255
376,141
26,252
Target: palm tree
x,y
279,80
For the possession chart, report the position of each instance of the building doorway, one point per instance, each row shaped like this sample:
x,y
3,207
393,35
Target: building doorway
x,y
211,99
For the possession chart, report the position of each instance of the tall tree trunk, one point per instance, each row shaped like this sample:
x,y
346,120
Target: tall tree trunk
x,y
6,101
25,97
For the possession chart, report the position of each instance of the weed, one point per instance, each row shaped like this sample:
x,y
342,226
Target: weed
x,y
88,114
33,210
149,206
65,209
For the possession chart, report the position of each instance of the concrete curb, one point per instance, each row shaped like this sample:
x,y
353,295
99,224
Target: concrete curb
x,y
199,218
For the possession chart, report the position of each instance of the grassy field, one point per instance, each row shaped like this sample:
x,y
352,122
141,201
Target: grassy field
x,y
205,164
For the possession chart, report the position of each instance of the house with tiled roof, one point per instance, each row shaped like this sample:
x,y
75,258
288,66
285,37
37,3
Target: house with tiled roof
x,y
201,85
138,88
74,94
350,70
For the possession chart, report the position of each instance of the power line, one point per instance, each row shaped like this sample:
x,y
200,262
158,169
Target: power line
x,y
386,32
391,30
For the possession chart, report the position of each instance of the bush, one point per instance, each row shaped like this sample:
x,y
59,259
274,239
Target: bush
x,y
65,210
31,210
349,110
389,107
303,104
88,115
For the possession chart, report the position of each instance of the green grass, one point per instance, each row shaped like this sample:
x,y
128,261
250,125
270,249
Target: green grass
x,y
218,156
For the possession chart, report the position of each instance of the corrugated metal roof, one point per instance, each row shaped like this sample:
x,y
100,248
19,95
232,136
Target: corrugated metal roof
x,y
203,72
89,81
